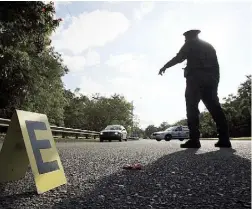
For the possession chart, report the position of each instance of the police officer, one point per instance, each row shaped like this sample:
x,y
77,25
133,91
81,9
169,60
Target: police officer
x,y
202,79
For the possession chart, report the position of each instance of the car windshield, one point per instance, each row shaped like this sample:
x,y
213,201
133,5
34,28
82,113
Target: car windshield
x,y
113,128
169,129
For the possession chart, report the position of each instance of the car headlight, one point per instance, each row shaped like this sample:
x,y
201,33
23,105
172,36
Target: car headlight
x,y
101,133
116,133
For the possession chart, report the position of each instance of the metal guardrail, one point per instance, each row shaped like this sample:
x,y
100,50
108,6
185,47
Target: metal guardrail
x,y
56,130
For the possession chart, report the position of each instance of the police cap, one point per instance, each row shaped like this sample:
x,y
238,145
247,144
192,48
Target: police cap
x,y
191,33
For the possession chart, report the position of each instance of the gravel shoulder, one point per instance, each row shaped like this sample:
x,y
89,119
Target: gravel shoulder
x,y
171,177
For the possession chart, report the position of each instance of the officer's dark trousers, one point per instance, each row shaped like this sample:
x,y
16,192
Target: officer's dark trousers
x,y
205,88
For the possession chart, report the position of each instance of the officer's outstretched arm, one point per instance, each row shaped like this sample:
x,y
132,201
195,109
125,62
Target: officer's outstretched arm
x,y
180,57
174,61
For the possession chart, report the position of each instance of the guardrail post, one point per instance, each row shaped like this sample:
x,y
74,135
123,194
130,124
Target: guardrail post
x,y
57,131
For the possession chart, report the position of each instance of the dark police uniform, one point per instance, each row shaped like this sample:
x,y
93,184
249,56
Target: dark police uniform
x,y
202,79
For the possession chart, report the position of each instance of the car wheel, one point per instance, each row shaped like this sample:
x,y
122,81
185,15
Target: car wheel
x,y
101,140
158,140
168,137
181,140
109,140
121,139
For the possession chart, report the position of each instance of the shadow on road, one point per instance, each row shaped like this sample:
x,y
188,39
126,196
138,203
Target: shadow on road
x,y
184,179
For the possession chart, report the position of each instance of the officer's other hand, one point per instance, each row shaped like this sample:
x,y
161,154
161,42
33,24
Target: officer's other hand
x,y
161,71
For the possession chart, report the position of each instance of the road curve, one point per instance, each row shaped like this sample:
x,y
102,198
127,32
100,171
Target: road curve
x,y
171,177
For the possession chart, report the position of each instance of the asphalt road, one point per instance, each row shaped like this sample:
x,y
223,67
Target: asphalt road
x,y
171,177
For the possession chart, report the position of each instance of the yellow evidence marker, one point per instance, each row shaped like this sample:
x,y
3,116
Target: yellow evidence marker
x,y
29,139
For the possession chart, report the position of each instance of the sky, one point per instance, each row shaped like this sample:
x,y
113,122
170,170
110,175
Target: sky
x,y
118,47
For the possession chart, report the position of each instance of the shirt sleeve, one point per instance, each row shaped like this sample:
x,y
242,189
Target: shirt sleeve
x,y
183,52
180,57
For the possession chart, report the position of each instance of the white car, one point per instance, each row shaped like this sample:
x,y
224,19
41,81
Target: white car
x,y
113,132
175,132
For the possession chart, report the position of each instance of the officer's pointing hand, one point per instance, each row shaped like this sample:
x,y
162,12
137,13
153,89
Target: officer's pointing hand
x,y
161,71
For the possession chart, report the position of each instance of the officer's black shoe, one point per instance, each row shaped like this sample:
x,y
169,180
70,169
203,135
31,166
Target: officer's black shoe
x,y
223,144
191,144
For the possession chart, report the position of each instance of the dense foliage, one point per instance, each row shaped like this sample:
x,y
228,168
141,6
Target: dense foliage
x,y
31,72
97,112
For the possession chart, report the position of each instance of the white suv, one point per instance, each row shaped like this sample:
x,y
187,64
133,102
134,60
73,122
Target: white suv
x,y
175,132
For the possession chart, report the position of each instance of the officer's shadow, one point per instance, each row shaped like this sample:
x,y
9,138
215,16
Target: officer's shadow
x,y
182,179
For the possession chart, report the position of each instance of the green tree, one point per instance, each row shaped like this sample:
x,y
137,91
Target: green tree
x,y
149,130
76,110
138,132
113,110
238,110
46,95
182,122
97,112
207,125
163,126
30,76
